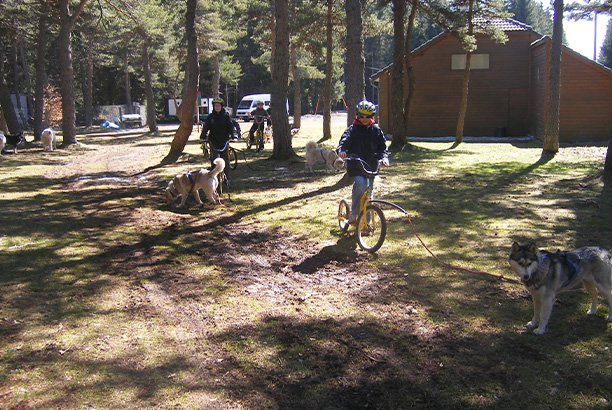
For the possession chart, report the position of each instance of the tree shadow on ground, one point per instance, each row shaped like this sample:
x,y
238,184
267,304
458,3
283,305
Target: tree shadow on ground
x,y
374,352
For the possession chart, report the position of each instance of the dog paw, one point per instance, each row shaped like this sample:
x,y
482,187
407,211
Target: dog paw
x,y
539,331
532,324
592,312
610,317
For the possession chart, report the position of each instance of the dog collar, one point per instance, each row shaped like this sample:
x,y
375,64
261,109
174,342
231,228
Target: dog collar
x,y
532,283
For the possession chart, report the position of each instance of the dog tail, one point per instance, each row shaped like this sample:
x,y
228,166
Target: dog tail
x,y
219,167
311,145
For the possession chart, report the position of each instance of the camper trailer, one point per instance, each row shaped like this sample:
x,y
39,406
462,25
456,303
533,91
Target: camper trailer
x,y
205,107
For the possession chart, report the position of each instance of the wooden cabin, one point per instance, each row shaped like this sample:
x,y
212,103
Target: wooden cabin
x,y
507,89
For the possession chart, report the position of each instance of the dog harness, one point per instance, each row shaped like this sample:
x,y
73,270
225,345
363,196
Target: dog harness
x,y
191,179
563,258
571,265
321,152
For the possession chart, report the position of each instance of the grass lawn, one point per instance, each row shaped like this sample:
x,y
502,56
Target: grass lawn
x,y
111,299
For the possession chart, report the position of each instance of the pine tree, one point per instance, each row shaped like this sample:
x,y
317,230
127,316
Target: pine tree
x,y
522,10
605,54
533,13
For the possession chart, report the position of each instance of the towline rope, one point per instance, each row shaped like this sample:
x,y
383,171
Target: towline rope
x,y
451,266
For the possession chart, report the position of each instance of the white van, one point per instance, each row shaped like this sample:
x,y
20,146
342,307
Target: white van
x,y
249,103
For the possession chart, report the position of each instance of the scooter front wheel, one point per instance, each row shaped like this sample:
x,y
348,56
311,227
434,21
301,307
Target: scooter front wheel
x,y
371,229
233,158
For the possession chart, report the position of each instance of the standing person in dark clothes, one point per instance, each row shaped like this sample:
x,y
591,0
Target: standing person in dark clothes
x,y
218,129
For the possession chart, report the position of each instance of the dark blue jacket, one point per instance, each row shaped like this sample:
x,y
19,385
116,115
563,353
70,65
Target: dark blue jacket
x,y
365,142
219,128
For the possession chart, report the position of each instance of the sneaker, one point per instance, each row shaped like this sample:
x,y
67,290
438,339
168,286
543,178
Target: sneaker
x,y
352,220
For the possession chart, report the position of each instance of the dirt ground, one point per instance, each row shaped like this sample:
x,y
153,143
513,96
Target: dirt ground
x,y
252,263
254,317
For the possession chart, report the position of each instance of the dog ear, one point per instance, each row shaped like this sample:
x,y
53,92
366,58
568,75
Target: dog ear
x,y
533,248
515,247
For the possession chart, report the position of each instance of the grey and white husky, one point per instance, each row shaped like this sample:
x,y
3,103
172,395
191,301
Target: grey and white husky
x,y
546,274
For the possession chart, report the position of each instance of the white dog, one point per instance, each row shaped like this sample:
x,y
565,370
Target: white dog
x,y
184,184
49,142
314,154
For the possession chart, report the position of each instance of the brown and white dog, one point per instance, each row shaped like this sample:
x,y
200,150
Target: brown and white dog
x,y
268,134
48,139
314,154
184,184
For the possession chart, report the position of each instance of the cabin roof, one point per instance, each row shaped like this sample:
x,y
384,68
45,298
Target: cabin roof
x,y
505,24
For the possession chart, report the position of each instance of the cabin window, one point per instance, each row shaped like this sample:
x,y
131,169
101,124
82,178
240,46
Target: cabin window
x,y
479,62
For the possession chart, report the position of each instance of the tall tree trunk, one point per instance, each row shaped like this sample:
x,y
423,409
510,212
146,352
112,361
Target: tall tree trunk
x,y
297,90
464,99
190,90
66,77
397,75
355,60
329,68
551,130
280,76
8,109
126,80
466,81
88,86
66,72
216,78
20,113
146,68
28,83
41,72
272,38
408,69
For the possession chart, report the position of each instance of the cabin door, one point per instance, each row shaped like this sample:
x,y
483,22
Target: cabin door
x,y
518,112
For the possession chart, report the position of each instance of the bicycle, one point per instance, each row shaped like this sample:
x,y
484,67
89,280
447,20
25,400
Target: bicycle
x,y
259,134
231,153
371,225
